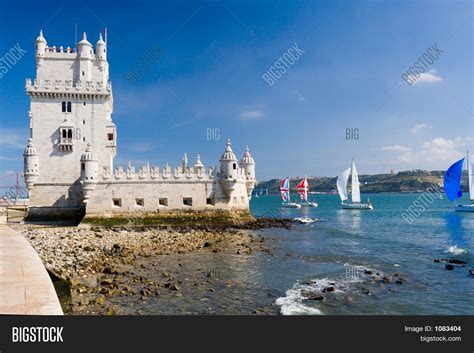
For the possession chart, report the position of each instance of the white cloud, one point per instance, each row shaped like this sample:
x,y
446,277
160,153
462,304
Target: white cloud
x,y
428,77
252,114
418,127
396,148
435,153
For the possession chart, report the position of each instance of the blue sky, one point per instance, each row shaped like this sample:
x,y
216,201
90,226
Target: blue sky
x,y
210,77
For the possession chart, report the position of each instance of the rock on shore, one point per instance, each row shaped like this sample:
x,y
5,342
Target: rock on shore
x,y
101,263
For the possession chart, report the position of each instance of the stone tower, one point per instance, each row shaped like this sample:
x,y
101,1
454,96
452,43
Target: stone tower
x,y
70,109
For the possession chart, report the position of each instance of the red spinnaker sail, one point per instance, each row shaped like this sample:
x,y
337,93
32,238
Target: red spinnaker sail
x,y
302,189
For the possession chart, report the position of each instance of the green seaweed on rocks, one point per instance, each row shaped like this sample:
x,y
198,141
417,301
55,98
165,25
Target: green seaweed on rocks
x,y
177,219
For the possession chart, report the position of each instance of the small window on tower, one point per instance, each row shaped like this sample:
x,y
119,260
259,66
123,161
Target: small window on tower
x,y
63,107
84,104
117,202
234,166
83,166
187,201
69,133
163,201
69,107
82,73
110,136
140,202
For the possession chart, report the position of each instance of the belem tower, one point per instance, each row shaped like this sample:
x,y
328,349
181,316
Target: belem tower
x,y
69,159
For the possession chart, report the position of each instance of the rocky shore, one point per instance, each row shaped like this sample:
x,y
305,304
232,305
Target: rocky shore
x,y
117,270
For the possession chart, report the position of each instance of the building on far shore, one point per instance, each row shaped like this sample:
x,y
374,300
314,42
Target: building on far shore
x,y
69,159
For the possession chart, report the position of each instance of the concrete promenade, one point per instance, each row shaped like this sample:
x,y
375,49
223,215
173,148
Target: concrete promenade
x,y
25,286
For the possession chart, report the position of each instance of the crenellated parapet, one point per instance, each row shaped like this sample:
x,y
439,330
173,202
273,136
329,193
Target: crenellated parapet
x,y
155,173
67,87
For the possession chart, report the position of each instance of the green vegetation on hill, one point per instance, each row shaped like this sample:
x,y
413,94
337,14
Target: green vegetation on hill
x,y
405,181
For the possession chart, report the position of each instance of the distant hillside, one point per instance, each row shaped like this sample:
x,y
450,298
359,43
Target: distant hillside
x,y
405,181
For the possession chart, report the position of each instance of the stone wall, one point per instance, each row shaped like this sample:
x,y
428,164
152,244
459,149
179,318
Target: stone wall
x,y
116,198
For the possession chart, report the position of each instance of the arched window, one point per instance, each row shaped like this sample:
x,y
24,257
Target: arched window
x,y
234,166
69,133
63,107
64,134
69,107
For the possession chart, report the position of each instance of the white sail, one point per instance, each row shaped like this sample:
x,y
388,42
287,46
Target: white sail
x,y
355,184
470,171
471,181
342,184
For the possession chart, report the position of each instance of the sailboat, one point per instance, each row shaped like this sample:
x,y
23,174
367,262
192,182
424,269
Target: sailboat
x,y
285,195
302,189
356,203
452,184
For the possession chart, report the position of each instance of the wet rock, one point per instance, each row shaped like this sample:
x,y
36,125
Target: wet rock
x,y
105,291
399,281
116,249
312,295
174,287
107,282
385,279
449,267
471,272
328,289
451,261
145,292
83,302
368,272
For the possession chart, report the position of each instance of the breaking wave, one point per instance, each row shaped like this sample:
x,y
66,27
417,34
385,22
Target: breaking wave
x,y
295,303
455,250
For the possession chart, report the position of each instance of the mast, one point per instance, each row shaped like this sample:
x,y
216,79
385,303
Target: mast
x,y
469,177
352,179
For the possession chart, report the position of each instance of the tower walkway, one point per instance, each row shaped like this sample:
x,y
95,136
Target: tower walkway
x,y
25,286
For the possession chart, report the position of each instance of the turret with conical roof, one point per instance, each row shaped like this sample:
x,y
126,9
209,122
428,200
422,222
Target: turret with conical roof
x,y
84,48
198,166
85,55
31,165
89,172
100,49
248,165
40,49
101,57
229,170
228,162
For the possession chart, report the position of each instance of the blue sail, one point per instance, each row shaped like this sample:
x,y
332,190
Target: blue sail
x,y
452,181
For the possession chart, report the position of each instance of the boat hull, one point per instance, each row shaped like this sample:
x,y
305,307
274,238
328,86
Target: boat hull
x,y
464,208
290,205
357,206
309,204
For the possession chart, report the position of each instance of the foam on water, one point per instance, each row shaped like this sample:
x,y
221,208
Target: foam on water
x,y
305,220
455,250
294,303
